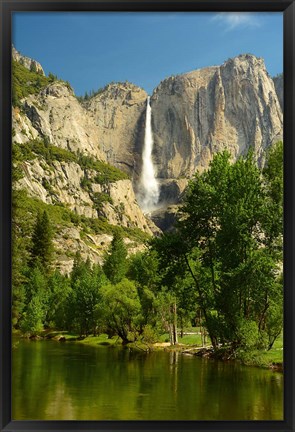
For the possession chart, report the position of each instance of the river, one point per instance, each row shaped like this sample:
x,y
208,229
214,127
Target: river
x,y
71,381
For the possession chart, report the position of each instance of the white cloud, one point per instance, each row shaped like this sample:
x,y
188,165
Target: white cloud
x,y
233,20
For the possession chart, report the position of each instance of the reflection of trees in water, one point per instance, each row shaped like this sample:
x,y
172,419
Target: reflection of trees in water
x,y
67,381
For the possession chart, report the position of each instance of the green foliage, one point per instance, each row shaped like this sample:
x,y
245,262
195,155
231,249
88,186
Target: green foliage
x,y
57,214
59,292
20,244
25,82
84,298
149,334
105,173
47,185
36,284
143,269
38,147
32,322
120,310
33,316
100,198
247,334
61,216
52,77
273,211
86,183
92,93
42,246
115,263
226,246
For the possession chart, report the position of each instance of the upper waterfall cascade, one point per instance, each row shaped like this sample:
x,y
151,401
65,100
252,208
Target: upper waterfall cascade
x,y
149,187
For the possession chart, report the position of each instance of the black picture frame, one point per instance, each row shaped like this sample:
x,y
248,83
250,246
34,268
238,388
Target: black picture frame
x,y
288,9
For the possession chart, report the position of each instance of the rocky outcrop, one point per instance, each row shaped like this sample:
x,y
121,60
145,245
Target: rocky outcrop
x,y
166,217
62,183
171,190
55,113
228,107
27,62
68,241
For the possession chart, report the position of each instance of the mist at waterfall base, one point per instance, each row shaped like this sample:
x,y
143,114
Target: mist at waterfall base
x,y
149,191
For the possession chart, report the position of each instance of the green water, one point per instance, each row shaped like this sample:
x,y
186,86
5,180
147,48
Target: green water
x,y
64,381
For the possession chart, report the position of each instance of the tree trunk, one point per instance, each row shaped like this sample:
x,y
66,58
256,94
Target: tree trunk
x,y
175,336
212,337
171,334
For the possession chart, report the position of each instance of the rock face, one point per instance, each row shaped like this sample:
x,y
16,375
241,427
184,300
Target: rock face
x,y
118,114
93,246
165,218
279,86
61,183
27,62
194,115
105,128
232,106
55,113
110,126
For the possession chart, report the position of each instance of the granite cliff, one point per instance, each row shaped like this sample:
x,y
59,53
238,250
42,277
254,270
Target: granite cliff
x,y
86,154
232,106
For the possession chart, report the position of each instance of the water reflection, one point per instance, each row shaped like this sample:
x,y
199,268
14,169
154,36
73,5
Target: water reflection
x,y
71,381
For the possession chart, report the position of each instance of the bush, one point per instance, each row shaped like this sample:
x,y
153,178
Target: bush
x,y
100,198
149,334
25,82
247,334
106,173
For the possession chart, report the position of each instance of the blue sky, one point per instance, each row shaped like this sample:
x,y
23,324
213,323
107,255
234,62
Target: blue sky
x,y
92,49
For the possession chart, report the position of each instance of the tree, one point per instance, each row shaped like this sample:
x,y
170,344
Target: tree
x,y
226,240
58,295
19,236
84,297
144,271
52,77
273,183
36,299
42,246
32,322
171,270
33,67
115,263
120,310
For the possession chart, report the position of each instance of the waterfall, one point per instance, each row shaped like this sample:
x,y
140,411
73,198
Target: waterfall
x,y
149,188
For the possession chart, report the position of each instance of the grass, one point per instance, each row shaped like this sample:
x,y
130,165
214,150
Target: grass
x,y
271,358
187,339
100,340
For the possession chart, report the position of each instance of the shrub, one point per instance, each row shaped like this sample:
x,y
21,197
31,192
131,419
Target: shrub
x,y
247,334
25,82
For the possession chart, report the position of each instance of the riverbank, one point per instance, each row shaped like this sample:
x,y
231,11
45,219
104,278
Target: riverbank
x,y
272,359
189,344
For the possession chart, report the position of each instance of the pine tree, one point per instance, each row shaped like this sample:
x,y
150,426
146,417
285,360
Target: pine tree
x,y
115,264
42,246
